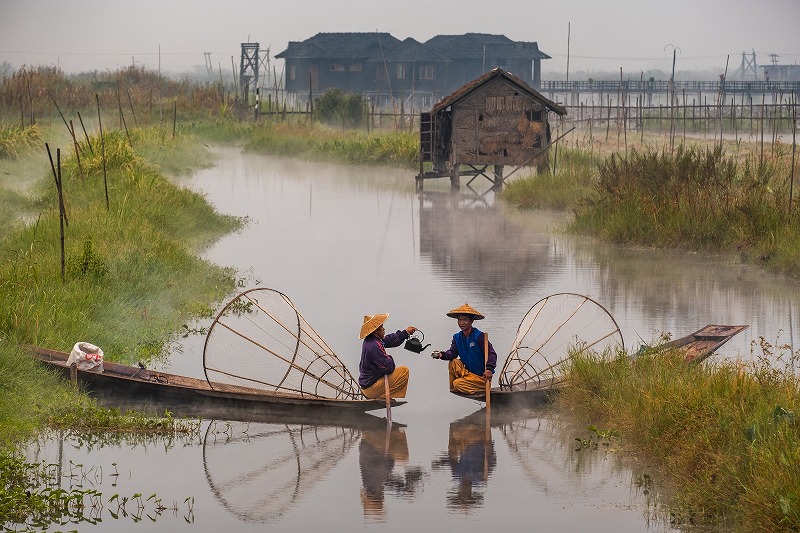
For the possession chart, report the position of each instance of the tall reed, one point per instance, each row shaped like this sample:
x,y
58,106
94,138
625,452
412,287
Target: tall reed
x,y
728,436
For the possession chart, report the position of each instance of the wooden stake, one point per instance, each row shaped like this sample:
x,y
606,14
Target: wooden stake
x,y
388,399
102,148
485,363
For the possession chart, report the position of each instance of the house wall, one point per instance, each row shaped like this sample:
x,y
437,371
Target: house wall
x,y
497,125
447,77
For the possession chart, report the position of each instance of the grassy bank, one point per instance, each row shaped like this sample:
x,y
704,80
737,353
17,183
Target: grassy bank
x,y
131,274
729,437
131,278
318,142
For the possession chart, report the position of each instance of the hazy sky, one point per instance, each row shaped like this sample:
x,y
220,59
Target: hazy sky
x,y
82,35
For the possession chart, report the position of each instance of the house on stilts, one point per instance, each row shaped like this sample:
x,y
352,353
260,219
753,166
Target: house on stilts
x,y
493,121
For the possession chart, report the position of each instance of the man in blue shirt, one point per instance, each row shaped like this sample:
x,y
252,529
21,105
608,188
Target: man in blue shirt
x,y
376,363
469,366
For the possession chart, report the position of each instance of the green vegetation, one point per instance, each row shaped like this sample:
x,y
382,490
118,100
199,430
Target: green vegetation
x,y
696,198
573,182
728,436
131,278
337,108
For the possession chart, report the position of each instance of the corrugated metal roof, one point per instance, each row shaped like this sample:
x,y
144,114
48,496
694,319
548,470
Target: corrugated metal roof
x,y
467,88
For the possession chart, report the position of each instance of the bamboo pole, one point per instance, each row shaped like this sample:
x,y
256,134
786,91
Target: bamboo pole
x,y
794,152
77,151
102,149
86,135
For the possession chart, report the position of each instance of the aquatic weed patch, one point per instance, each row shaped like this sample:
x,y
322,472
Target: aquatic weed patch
x,y
727,435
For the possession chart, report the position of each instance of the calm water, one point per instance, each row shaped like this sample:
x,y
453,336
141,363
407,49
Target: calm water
x,y
343,242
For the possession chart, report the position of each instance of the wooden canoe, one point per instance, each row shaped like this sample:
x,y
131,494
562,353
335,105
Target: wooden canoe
x,y
187,396
529,393
703,342
695,347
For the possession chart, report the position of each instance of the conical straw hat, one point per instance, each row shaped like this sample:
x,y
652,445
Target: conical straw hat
x,y
465,310
371,323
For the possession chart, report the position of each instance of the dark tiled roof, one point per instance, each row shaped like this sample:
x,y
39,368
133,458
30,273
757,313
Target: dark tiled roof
x,y
478,45
340,46
409,50
467,88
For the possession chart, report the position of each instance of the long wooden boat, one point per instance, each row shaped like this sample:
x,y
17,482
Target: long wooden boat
x,y
703,342
187,396
696,347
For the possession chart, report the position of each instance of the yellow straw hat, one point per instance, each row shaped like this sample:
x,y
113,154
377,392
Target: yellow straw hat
x,y
371,323
465,310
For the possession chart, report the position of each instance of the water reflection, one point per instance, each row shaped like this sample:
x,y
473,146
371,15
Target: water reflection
x,y
467,239
380,454
471,458
259,471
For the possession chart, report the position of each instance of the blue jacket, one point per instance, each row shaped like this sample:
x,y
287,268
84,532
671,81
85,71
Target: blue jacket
x,y
375,362
470,350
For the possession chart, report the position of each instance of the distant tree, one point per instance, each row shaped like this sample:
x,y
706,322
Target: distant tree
x,y
6,70
337,108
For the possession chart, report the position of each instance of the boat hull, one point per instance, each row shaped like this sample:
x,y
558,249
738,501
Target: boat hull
x,y
186,396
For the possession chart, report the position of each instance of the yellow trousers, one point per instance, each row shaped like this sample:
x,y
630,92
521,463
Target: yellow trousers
x,y
398,384
464,381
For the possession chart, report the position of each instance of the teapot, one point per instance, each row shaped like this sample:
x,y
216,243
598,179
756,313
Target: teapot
x,y
413,344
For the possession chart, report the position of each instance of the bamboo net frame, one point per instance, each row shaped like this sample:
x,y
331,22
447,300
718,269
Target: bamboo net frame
x,y
557,328
259,340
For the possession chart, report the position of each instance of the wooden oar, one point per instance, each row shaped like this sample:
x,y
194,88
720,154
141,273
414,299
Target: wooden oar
x,y
388,399
485,364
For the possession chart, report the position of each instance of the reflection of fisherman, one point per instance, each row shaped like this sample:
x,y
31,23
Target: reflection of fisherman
x,y
469,369
377,454
471,457
376,363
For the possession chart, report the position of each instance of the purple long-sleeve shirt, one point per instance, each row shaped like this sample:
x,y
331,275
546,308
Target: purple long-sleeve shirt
x,y
375,362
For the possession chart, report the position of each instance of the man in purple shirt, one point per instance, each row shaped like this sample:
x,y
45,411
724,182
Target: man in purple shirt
x,y
470,367
376,363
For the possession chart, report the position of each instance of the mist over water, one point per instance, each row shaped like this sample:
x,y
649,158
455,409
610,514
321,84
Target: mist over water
x,y
343,242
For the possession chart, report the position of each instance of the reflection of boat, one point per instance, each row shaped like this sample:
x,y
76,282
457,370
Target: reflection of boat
x,y
702,343
185,396
259,471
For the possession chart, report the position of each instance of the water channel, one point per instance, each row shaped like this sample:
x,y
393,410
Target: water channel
x,y
343,242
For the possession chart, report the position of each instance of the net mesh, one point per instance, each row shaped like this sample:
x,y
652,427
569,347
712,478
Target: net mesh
x,y
555,329
260,341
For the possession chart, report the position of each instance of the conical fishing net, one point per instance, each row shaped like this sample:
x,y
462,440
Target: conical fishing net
x,y
260,341
555,329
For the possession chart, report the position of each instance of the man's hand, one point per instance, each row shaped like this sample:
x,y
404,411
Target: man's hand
x,y
436,354
410,330
487,375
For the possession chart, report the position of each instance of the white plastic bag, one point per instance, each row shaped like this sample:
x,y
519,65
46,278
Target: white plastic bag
x,y
86,356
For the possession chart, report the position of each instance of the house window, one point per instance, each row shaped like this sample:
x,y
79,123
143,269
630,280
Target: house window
x,y
292,72
401,71
337,67
426,72
535,115
355,67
